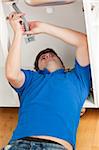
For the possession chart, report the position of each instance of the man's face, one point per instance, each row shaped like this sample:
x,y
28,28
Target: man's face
x,y
49,60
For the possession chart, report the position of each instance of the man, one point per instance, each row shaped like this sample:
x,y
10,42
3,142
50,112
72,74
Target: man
x,y
50,98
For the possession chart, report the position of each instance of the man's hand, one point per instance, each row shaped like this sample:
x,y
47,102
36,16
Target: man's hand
x,y
36,27
15,21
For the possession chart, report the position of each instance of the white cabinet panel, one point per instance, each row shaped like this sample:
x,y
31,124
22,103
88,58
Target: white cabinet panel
x,y
8,96
91,10
4,38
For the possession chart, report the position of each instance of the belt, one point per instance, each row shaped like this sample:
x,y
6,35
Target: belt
x,y
40,140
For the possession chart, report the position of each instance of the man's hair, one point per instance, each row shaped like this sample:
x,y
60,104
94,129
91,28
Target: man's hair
x,y
47,50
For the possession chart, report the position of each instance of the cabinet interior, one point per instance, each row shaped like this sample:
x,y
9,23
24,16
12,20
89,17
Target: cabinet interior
x,y
74,20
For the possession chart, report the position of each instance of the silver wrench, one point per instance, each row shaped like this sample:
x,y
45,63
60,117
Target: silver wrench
x,y
25,23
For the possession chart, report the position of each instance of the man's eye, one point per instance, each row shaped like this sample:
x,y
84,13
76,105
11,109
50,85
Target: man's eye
x,y
43,57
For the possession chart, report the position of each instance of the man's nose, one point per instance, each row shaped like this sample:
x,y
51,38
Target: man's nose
x,y
47,56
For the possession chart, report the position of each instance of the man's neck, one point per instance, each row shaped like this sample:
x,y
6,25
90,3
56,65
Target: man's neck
x,y
52,66
53,69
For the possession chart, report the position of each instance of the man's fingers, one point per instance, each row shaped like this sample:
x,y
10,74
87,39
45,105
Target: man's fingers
x,y
20,21
12,15
15,15
28,33
20,14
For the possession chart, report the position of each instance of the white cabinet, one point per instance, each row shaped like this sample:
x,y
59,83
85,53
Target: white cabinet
x,y
75,20
91,11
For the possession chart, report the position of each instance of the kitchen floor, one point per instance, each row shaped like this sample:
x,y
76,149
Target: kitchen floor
x,y
87,136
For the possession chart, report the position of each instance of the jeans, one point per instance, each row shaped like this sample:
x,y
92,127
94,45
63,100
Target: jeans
x,y
33,145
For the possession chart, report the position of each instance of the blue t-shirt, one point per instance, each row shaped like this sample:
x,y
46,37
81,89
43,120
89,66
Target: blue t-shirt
x,y
50,103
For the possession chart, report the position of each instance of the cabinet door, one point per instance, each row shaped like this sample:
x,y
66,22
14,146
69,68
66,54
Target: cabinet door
x,y
91,11
8,97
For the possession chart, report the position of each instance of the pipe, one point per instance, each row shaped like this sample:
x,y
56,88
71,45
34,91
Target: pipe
x,y
48,2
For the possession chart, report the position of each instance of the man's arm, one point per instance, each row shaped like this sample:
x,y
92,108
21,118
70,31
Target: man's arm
x,y
12,68
77,39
